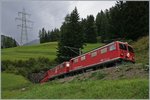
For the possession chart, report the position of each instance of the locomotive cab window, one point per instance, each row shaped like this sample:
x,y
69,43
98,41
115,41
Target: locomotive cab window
x,y
122,46
104,50
112,47
93,54
130,49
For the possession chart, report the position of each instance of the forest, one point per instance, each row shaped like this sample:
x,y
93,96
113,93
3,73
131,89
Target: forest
x,y
8,42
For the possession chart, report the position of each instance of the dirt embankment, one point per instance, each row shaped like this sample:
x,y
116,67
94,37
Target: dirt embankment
x,y
124,71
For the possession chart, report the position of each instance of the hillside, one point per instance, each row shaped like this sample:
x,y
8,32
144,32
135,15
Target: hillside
x,y
127,81
47,50
25,52
118,82
141,48
11,82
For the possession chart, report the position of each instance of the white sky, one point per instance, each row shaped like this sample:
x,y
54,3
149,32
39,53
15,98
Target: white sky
x,y
90,7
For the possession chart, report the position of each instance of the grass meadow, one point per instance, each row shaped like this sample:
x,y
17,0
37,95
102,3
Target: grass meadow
x,y
17,87
48,50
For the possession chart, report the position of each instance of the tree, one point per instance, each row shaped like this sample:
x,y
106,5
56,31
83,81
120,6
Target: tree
x,y
117,20
40,36
137,23
90,30
8,42
49,35
126,22
108,34
43,36
55,35
71,36
83,26
99,19
102,24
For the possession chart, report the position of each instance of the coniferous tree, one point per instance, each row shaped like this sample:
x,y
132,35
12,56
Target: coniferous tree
x,y
136,15
71,36
129,19
102,24
107,35
55,35
43,36
8,42
117,22
49,36
40,36
99,19
46,37
90,30
83,26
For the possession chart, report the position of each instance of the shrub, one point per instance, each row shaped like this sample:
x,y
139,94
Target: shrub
x,y
5,64
26,67
98,75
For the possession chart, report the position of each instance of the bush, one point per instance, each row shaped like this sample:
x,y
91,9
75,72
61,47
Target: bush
x,y
26,67
5,64
98,75
11,69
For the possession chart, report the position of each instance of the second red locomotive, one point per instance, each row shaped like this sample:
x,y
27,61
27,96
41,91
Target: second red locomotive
x,y
109,53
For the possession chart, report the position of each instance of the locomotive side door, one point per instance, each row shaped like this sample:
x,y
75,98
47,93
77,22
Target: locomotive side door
x,y
123,50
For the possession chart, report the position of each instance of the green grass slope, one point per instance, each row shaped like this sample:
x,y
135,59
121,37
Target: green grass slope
x,y
11,82
92,90
108,89
47,50
141,48
25,52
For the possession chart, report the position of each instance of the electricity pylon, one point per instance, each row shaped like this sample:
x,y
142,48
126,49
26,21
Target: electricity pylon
x,y
24,27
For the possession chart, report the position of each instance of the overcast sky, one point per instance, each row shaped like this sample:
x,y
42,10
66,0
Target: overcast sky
x,y
47,14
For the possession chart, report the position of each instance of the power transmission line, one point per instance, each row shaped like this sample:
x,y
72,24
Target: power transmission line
x,y
22,16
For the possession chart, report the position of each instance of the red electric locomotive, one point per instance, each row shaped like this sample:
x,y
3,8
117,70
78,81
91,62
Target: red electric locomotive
x,y
109,53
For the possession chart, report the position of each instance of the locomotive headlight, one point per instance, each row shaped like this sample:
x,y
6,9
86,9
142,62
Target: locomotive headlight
x,y
67,64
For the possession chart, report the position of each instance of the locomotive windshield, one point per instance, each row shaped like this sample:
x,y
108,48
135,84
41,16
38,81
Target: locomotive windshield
x,y
122,46
130,49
